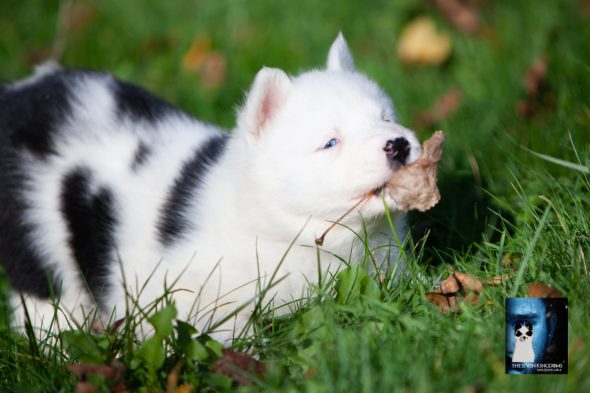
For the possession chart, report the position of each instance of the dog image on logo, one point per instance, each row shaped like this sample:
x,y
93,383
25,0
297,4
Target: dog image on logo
x,y
523,345
107,191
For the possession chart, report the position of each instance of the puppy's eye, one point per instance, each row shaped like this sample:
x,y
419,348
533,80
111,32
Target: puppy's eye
x,y
331,143
529,333
518,334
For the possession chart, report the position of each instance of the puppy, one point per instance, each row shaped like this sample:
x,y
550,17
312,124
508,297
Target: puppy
x,y
523,343
107,191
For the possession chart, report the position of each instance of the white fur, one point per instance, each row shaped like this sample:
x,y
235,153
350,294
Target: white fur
x,y
274,180
523,347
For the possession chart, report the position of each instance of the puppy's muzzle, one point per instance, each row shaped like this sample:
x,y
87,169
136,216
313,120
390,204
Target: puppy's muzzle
x,y
397,151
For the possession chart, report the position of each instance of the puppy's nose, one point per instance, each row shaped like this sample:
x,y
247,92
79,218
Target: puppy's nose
x,y
397,149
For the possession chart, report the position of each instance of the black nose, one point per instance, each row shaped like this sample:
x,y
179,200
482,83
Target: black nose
x,y
397,150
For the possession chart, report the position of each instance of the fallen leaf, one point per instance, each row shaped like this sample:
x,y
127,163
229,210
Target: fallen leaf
x,y
85,387
413,187
536,76
462,14
543,291
77,16
114,372
239,366
213,70
538,95
444,107
445,303
196,54
185,388
450,285
468,282
456,289
421,44
210,65
173,377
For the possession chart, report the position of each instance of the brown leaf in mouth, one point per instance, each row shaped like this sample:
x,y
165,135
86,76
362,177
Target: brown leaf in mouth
x,y
413,187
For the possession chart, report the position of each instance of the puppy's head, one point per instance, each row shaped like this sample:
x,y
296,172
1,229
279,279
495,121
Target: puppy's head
x,y
319,142
523,331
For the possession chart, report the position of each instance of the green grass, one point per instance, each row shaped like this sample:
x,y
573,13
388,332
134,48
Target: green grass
x,y
511,186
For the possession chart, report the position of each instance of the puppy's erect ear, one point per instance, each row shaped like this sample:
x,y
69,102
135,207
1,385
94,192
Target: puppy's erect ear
x,y
340,58
268,92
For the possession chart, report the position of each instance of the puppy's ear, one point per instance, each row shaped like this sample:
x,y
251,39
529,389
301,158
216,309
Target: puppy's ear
x,y
340,58
268,92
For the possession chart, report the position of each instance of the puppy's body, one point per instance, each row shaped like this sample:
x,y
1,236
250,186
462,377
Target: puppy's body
x,y
101,183
523,345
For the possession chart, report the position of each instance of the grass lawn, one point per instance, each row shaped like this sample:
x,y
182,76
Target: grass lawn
x,y
515,184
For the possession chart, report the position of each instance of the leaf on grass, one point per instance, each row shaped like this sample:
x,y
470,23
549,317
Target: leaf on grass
x,y
468,282
459,288
77,16
421,44
184,388
445,302
462,14
543,291
209,64
113,373
444,107
537,91
241,367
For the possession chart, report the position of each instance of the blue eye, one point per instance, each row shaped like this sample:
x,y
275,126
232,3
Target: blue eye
x,y
331,143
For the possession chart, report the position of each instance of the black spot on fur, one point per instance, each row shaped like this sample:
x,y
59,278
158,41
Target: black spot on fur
x,y
173,221
142,154
91,224
134,102
30,114
22,264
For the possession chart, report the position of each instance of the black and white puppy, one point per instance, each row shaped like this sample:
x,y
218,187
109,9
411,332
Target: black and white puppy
x,y
101,183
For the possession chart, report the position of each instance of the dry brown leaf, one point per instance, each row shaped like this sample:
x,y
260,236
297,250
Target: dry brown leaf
x,y
444,107
421,44
185,388
213,70
195,56
78,16
544,291
173,377
210,65
538,95
114,372
459,288
413,187
536,76
461,14
468,282
449,286
446,303
85,387
239,366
